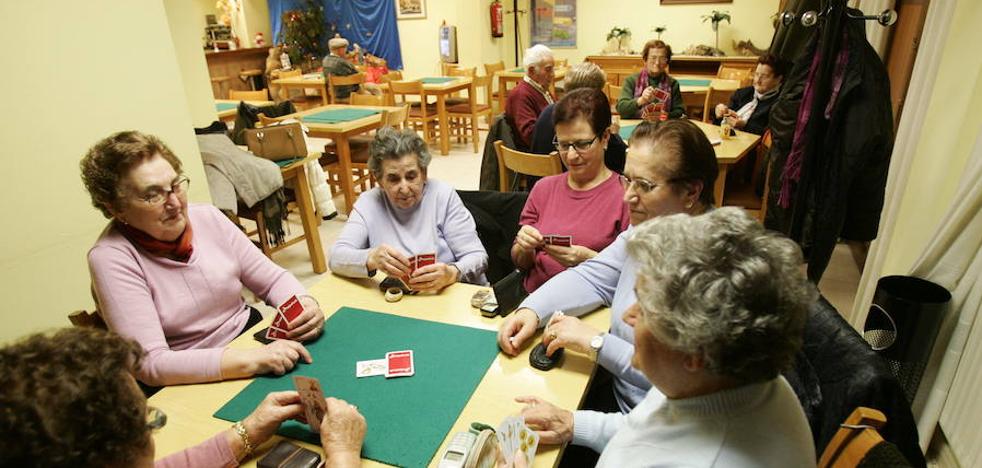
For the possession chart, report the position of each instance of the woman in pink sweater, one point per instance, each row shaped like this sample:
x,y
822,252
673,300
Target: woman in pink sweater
x,y
176,293
586,202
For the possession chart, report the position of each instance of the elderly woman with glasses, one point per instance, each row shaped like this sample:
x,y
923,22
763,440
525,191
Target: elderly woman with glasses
x,y
170,275
721,304
671,168
70,399
652,92
585,203
405,216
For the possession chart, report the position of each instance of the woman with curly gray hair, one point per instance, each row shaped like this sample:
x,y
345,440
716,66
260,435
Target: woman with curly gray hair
x,y
721,304
408,215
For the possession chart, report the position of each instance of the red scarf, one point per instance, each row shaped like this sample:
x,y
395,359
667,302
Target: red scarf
x,y
178,249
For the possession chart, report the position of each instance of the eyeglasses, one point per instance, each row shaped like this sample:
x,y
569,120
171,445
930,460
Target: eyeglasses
x,y
156,418
658,58
641,186
156,197
579,146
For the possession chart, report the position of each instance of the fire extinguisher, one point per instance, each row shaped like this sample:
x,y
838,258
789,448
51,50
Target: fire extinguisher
x,y
497,19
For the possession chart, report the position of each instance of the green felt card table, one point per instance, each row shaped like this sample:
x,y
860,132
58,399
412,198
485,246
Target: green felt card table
x,y
191,408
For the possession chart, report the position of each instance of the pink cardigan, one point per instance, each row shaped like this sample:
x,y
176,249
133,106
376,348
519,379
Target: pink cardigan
x,y
183,314
213,452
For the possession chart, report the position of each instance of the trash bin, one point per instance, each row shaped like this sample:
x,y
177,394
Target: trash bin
x,y
903,323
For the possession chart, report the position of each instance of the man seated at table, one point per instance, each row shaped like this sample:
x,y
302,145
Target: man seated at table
x,y
70,399
405,216
527,100
712,333
750,107
336,64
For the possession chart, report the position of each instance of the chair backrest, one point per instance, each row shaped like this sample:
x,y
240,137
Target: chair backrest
x,y
468,72
713,97
358,99
392,75
539,165
446,67
333,81
398,118
407,88
82,318
290,73
613,92
491,68
484,81
731,73
260,95
855,438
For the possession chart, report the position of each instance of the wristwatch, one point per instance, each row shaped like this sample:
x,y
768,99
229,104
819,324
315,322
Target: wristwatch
x,y
596,343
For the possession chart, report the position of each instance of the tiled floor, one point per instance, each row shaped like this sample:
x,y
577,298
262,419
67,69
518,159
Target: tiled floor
x,y
461,169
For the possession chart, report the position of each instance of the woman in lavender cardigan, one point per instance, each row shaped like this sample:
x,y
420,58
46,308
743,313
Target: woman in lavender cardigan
x,y
408,215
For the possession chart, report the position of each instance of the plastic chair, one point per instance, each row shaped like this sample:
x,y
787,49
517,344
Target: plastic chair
x,y
260,95
538,165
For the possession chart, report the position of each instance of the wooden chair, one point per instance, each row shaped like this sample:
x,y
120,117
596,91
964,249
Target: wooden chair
x,y
392,75
539,165
714,96
358,99
489,70
466,114
222,83
613,92
446,67
359,149
422,114
744,194
284,91
82,318
334,81
743,75
260,95
855,439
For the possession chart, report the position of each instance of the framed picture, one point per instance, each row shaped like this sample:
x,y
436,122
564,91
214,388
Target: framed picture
x,y
554,23
686,2
410,9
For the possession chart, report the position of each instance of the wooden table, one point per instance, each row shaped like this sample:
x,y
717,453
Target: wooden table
x,y
189,407
228,115
441,91
715,83
310,80
295,175
513,76
728,152
340,132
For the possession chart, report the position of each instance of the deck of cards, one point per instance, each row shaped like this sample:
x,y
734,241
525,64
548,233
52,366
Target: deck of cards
x,y
556,239
395,364
312,398
513,435
416,262
288,312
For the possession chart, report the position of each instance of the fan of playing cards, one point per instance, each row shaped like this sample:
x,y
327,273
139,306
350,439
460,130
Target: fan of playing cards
x,y
289,311
556,239
513,435
416,262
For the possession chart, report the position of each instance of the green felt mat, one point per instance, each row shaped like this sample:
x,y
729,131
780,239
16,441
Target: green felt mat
x,y
518,70
287,162
407,417
625,131
224,106
694,82
436,80
338,115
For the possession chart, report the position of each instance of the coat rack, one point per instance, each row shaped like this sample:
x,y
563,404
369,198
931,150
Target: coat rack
x,y
811,17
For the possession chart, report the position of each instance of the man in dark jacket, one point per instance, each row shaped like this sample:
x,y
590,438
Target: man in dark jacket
x,y
750,107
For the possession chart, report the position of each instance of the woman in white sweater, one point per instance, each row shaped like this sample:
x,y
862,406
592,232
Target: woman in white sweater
x,y
721,304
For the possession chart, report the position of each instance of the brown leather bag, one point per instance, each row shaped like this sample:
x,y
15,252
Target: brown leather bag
x,y
288,455
277,142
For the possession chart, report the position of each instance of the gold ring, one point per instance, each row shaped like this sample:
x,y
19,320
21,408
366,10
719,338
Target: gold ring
x,y
553,335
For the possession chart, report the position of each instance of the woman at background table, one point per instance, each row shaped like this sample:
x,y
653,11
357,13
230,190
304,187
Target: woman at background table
x,y
581,75
639,96
750,107
721,304
70,400
586,202
178,291
671,168
408,215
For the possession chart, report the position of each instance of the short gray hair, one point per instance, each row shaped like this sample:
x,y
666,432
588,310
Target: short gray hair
x,y
535,55
721,287
585,75
391,144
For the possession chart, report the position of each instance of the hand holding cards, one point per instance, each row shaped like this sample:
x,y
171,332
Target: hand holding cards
x,y
556,239
285,318
416,262
514,435
312,398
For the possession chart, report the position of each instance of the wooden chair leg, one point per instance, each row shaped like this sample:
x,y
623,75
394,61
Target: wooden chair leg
x,y
474,132
263,235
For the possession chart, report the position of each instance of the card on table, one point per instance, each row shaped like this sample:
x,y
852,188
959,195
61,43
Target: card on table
x,y
312,397
370,368
399,364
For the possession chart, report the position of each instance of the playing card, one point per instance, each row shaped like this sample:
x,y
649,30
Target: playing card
x,y
423,260
661,95
528,442
565,241
291,309
280,322
501,433
312,397
399,364
370,368
273,333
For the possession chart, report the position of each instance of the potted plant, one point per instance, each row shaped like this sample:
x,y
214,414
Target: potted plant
x,y
303,35
621,35
716,18
659,30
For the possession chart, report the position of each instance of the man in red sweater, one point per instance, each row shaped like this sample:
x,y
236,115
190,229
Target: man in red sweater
x,y
526,101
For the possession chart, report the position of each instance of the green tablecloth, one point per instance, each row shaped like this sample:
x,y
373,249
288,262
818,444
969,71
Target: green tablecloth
x,y
694,82
224,106
625,131
437,79
338,115
518,70
407,417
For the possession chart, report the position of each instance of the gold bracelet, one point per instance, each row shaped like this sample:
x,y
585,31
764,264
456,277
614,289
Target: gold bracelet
x,y
241,431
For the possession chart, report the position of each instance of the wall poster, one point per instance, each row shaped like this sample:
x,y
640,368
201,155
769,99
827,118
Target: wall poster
x,y
554,23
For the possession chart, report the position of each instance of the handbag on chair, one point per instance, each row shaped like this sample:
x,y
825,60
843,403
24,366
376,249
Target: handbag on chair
x,y
277,142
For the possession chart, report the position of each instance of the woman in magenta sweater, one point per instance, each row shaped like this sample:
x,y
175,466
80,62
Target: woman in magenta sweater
x,y
178,293
585,203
